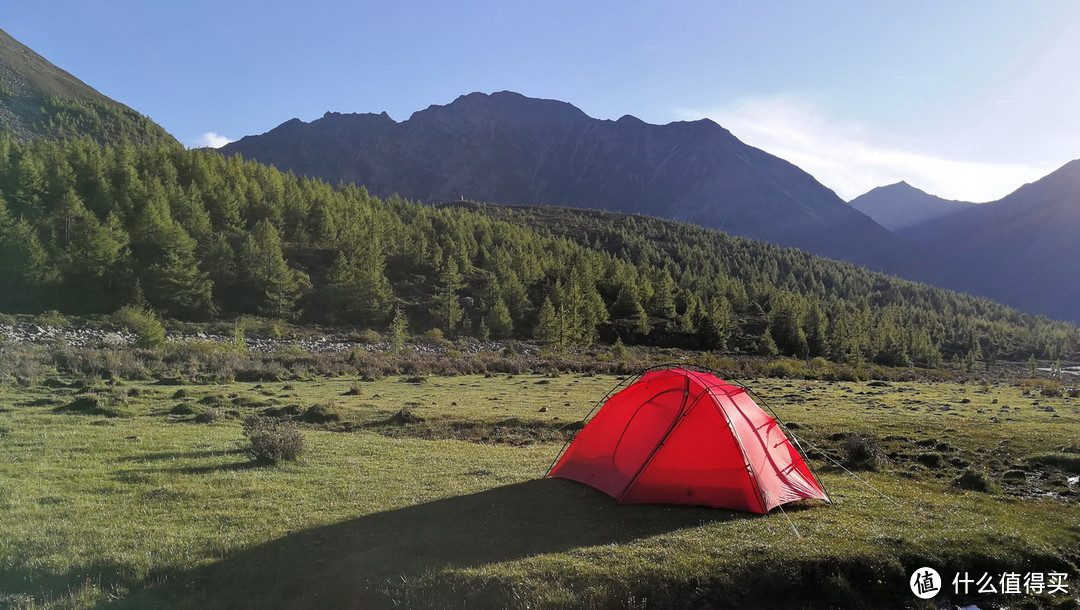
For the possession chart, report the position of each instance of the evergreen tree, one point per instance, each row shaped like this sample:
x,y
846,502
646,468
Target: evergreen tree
x,y
785,326
499,320
358,291
399,330
662,302
95,263
628,310
549,327
274,287
715,325
767,346
447,308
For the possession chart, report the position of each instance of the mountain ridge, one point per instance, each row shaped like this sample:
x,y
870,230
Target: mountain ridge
x,y
1020,249
901,206
511,149
40,100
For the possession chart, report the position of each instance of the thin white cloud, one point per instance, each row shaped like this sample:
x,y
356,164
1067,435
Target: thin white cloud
x,y
852,158
212,140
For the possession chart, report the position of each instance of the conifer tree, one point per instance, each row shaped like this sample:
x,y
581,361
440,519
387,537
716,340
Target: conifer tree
x,y
399,330
274,286
447,309
499,321
627,308
549,327
662,303
715,325
358,291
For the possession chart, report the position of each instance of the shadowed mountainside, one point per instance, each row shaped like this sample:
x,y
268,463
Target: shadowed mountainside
x,y
901,206
1020,250
510,149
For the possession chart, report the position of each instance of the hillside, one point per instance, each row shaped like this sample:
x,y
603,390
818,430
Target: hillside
x,y
1022,249
39,100
509,149
86,230
901,206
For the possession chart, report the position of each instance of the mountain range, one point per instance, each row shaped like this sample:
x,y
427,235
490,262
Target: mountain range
x,y
1021,250
901,206
511,149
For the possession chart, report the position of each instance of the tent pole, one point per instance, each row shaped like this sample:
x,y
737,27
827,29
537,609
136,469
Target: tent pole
x,y
628,381
758,399
798,445
746,459
683,410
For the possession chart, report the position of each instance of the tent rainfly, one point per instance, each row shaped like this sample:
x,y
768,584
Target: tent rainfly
x,y
685,437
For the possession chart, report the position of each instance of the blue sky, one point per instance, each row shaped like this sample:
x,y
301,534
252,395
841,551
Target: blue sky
x,y
965,99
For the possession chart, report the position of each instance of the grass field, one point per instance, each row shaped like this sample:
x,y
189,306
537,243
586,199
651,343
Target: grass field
x,y
429,492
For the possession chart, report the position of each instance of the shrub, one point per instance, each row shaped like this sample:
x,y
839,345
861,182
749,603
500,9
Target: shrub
x,y
930,460
785,368
1044,387
143,323
366,336
268,328
82,404
973,480
862,451
322,414
51,318
273,440
618,350
185,409
1066,460
209,416
435,337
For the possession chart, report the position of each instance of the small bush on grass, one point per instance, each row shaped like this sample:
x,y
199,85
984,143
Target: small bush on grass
x,y
1041,387
90,405
974,480
210,416
930,460
273,440
322,414
185,409
862,452
366,337
1063,461
147,328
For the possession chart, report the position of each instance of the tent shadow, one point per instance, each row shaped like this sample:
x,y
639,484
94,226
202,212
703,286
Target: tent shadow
x,y
348,564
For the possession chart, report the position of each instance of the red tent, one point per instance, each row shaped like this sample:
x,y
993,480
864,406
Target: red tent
x,y
685,437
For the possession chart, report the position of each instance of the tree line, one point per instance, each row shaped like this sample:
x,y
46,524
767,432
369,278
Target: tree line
x,y
86,229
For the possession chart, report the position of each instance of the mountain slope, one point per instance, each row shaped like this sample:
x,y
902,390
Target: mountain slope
x,y
1021,250
901,206
38,99
197,236
510,149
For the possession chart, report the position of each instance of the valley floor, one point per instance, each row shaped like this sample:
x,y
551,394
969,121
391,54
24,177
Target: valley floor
x,y
430,492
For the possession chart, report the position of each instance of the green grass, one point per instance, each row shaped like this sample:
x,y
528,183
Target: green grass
x,y
132,503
